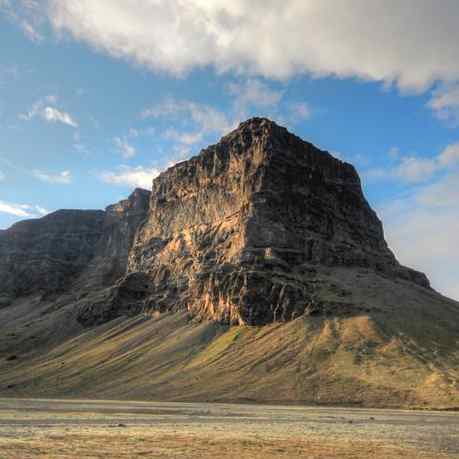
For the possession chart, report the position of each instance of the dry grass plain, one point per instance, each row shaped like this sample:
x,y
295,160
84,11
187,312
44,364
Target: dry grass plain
x,y
96,429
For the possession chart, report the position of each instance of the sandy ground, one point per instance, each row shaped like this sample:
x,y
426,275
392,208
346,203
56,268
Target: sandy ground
x,y
108,429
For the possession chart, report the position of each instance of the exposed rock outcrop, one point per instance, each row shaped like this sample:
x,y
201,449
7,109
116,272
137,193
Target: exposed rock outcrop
x,y
235,235
120,225
47,254
70,250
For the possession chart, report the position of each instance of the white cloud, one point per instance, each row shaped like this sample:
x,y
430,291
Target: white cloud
x,y
41,210
415,41
49,113
27,14
54,115
442,194
30,31
208,118
22,210
127,150
18,210
205,119
131,176
195,123
2,176
133,132
423,231
449,156
185,138
62,178
416,169
445,103
253,92
81,148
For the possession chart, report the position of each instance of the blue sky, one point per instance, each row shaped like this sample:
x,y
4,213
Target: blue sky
x,y
98,97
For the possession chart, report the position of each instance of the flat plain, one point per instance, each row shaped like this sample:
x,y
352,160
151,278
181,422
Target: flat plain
x,y
31,428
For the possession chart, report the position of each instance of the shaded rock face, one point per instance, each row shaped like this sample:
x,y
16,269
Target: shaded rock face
x,y
48,253
119,228
236,234
69,250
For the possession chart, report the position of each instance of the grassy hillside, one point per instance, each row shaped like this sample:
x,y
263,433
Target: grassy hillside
x,y
403,350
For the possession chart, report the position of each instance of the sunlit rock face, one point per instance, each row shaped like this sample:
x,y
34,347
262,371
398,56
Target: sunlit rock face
x,y
239,234
235,234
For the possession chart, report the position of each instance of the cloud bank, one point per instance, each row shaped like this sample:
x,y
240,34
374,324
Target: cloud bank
x,y
411,43
423,230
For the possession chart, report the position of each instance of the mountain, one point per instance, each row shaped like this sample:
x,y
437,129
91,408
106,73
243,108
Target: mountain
x,y
254,271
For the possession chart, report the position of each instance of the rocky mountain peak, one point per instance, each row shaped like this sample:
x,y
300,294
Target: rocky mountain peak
x,y
237,233
244,232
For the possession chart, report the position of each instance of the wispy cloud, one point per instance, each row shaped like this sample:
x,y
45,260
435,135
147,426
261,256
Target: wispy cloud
x,y
22,210
78,145
185,138
299,111
253,93
61,178
126,149
46,110
193,124
17,210
30,31
445,103
2,176
208,118
27,14
41,210
56,116
202,123
416,169
131,176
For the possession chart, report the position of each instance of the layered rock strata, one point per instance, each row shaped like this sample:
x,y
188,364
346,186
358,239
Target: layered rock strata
x,y
235,233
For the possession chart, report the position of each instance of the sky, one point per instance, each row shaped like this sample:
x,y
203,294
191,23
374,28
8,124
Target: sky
x,y
98,97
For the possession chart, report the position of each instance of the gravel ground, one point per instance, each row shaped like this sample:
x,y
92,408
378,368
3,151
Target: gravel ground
x,y
96,429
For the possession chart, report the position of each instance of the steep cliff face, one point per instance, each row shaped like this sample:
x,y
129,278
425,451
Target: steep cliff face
x,y
239,234
47,254
105,290
235,233
119,228
69,250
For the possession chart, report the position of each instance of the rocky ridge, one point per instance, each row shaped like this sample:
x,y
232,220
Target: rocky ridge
x,y
236,234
